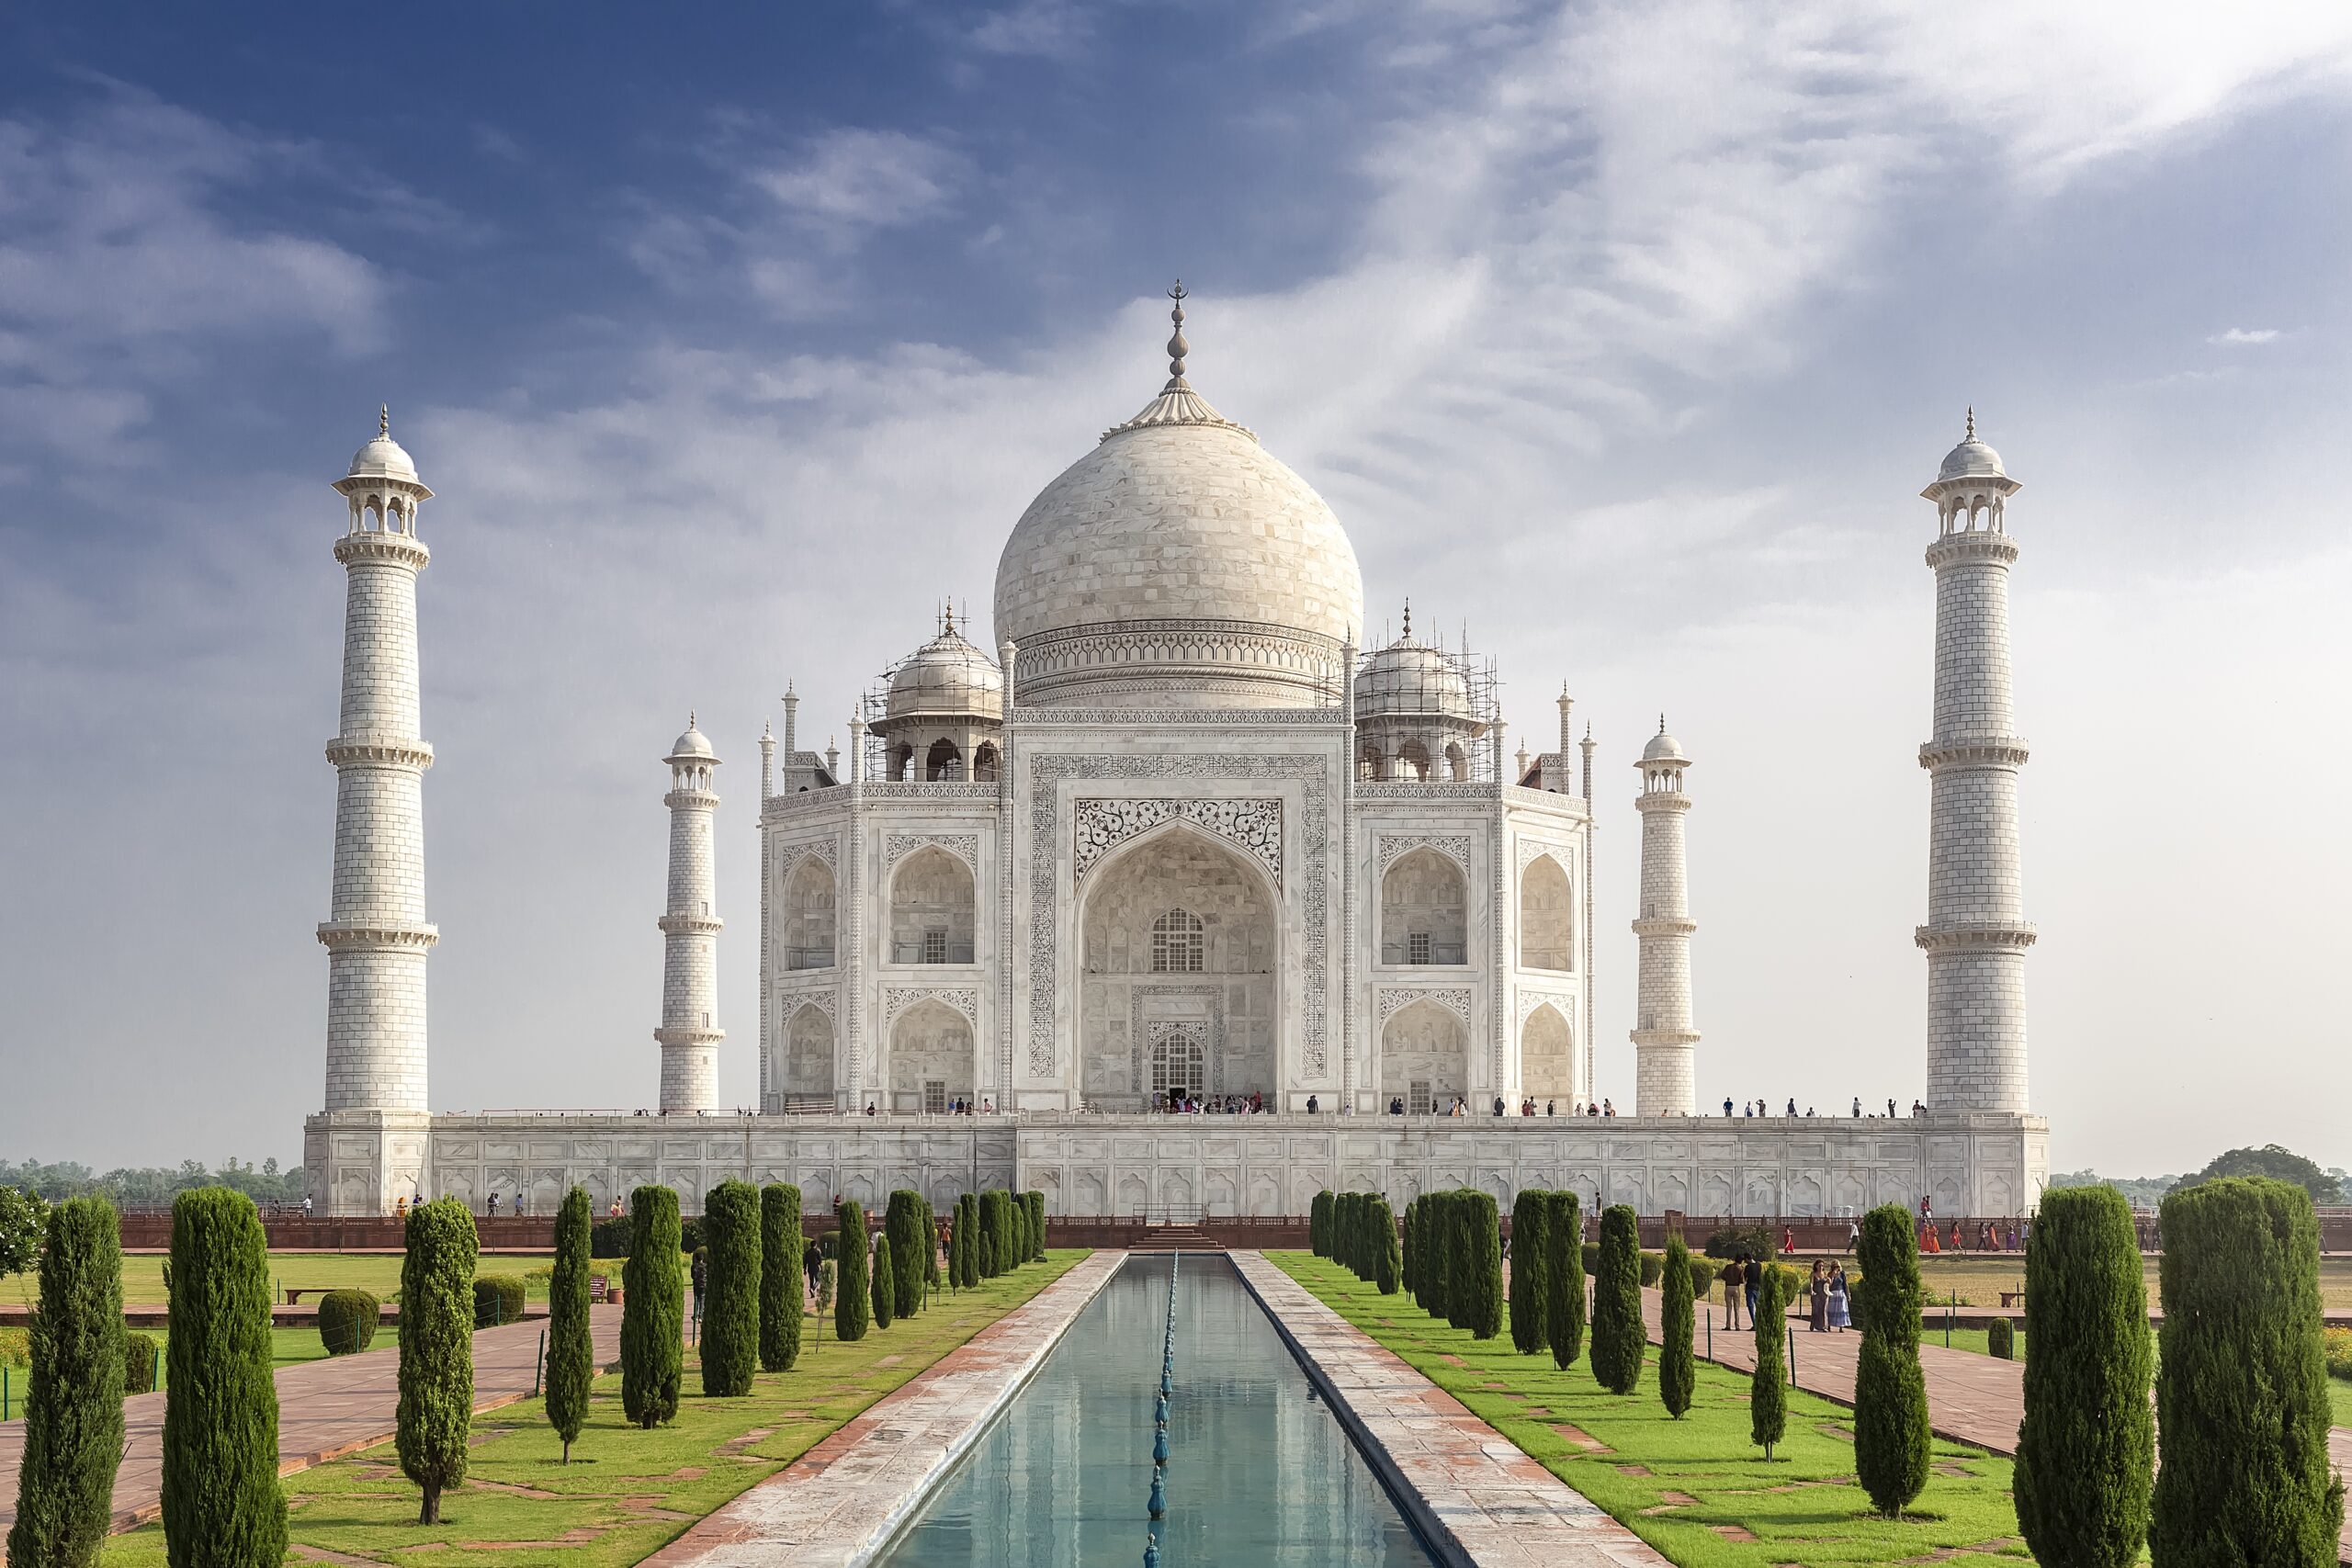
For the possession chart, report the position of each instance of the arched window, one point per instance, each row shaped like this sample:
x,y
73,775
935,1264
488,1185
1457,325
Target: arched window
x,y
1176,943
808,915
1176,1062
931,909
1457,764
1547,935
1423,901
1413,762
943,761
984,763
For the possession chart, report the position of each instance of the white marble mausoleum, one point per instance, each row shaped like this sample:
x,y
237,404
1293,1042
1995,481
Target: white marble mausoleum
x,y
1179,833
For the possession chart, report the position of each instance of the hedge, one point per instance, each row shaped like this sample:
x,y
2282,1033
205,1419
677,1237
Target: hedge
x,y
73,1410
1036,1201
1768,1391
222,1502
730,1313
142,1357
1564,1275
2001,1338
1891,1442
1482,1235
1318,1224
653,1309
1677,1365
902,1229
1703,1275
852,1305
2241,1380
1530,1299
1389,1263
498,1299
1620,1342
963,1268
1653,1266
571,1347
609,1238
438,1313
780,1273
348,1321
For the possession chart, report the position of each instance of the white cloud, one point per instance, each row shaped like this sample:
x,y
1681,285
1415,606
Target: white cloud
x,y
2241,336
864,179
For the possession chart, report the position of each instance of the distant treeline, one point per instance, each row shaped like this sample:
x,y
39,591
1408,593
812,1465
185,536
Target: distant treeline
x,y
153,1184
2327,1187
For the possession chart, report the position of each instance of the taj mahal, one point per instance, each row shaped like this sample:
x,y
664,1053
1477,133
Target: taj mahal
x,y
1176,833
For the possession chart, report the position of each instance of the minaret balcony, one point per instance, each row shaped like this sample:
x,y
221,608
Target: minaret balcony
x,y
347,936
692,925
399,549
1963,934
387,750
1978,751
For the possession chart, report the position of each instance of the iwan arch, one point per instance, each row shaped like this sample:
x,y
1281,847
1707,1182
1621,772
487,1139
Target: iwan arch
x,y
1177,835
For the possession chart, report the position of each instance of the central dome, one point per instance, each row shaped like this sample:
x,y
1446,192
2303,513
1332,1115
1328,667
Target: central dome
x,y
1179,564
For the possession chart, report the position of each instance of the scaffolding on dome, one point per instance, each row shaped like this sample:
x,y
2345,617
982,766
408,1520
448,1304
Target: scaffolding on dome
x,y
1425,713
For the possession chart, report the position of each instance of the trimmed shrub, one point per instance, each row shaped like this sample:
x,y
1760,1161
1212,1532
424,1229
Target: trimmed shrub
x,y
1036,1201
1678,1361
731,1313
1767,1387
885,1283
2241,1380
852,1304
1410,1248
1590,1252
1620,1343
1563,1279
1891,1443
73,1410
690,1234
221,1500
498,1299
1318,1224
2001,1336
903,1228
610,1237
1483,1233
1703,1275
1388,1267
572,1348
142,1358
437,1378
653,1309
1761,1242
959,1243
2338,1343
348,1321
1436,1268
1652,1265
781,1246
1530,1299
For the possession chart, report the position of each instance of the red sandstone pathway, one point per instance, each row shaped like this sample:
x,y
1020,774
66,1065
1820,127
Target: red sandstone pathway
x,y
325,1409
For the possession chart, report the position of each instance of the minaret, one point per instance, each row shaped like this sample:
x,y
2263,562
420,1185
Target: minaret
x,y
1977,934
1590,980
1665,1083
690,1035
375,933
1567,739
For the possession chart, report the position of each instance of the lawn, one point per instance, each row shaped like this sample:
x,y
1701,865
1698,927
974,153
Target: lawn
x,y
1696,1489
142,1274
627,1493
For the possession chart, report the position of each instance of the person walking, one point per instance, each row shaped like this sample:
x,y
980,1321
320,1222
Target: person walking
x,y
1727,1108
1734,1277
1818,1289
1751,1278
1840,1319
700,1274
1853,1235
1788,1240
1857,1108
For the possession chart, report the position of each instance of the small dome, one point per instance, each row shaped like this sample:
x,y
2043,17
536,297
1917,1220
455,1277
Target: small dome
x,y
382,458
1408,676
947,678
693,743
1663,747
1971,459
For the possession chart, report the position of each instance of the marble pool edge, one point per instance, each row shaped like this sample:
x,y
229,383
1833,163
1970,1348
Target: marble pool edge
x,y
843,1502
1473,1495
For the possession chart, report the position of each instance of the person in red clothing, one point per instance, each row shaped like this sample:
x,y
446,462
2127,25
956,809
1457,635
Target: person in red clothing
x,y
1788,1240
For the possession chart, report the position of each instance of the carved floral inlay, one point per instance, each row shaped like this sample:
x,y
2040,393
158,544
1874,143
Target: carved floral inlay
x,y
1254,826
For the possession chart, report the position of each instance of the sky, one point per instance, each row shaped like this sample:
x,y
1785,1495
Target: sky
x,y
1625,335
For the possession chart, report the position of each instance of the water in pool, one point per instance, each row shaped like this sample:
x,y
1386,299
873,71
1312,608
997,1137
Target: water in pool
x,y
1260,1474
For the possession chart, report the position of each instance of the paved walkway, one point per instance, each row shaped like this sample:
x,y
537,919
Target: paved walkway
x,y
842,1501
1468,1489
325,1409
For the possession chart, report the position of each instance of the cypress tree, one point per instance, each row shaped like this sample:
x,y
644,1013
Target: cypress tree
x,y
1484,1252
72,1408
436,1375
852,1301
730,1318
1530,1330
959,1242
1318,1224
1005,1232
1404,1274
1461,1288
1439,1265
2241,1380
885,1282
902,1226
1678,1359
930,1243
1768,1391
2087,1447
1563,1279
1388,1267
221,1501
572,1352
991,1227
1619,1344
1891,1443
1343,1213
780,1290
653,1309
969,1208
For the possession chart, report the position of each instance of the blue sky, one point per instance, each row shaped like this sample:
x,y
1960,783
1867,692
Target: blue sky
x,y
731,342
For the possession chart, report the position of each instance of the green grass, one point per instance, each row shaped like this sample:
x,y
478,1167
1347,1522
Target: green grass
x,y
2339,1402
627,1493
1691,1488
142,1275
288,1347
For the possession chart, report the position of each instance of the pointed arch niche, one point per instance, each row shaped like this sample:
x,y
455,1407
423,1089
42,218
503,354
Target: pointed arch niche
x,y
1424,1057
1547,923
1548,1058
932,1058
808,914
1180,936
804,1069
1424,903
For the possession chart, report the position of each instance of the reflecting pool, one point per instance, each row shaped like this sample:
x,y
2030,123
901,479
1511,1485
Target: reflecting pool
x,y
1258,1471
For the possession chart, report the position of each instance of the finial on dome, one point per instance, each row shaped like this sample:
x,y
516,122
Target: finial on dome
x,y
1177,348
1661,724
690,719
1972,424
950,627
1408,620
384,420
